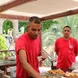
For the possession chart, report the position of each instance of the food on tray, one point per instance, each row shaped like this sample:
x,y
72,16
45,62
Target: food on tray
x,y
61,73
57,71
71,74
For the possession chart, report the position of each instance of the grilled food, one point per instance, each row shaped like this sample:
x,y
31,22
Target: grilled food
x,y
57,71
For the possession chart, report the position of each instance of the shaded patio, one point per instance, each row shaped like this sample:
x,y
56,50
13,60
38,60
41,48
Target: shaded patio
x,y
45,9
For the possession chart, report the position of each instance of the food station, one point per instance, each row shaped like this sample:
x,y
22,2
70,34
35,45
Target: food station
x,y
6,63
48,72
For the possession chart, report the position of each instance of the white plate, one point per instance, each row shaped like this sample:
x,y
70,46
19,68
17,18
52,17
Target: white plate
x,y
44,69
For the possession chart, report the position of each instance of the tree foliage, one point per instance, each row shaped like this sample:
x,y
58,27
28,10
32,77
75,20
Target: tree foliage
x,y
7,24
46,24
22,24
3,46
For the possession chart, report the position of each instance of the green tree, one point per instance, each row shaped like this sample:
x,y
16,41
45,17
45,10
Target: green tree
x,y
22,24
3,46
46,24
6,25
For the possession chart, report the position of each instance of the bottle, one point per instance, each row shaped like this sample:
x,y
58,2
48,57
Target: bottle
x,y
52,66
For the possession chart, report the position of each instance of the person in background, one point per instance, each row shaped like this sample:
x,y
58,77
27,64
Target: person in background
x,y
28,50
66,49
10,35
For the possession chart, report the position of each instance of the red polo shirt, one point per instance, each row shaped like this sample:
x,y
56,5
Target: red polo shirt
x,y
32,48
66,50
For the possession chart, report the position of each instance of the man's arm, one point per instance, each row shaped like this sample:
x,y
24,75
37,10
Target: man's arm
x,y
76,48
56,50
26,65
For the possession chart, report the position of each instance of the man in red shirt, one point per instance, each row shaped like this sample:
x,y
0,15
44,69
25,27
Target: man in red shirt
x,y
66,49
28,49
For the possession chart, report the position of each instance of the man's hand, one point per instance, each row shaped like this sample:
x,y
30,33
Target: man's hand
x,y
38,76
43,56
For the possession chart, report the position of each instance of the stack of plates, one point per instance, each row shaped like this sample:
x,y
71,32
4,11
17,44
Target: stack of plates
x,y
12,58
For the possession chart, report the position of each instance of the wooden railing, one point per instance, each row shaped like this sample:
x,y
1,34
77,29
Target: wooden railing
x,y
11,51
6,50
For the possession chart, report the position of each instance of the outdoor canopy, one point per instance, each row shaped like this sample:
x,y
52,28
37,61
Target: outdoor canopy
x,y
45,9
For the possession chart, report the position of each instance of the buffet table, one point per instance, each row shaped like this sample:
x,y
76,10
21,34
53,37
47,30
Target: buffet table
x,y
46,72
4,64
48,75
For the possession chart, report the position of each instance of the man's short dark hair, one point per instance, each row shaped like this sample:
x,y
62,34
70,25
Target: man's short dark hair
x,y
67,27
35,19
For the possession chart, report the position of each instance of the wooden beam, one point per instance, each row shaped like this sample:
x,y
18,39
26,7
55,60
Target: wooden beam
x,y
15,17
58,15
54,16
6,50
13,4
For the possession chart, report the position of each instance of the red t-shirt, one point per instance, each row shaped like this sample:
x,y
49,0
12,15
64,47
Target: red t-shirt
x,y
32,48
66,50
